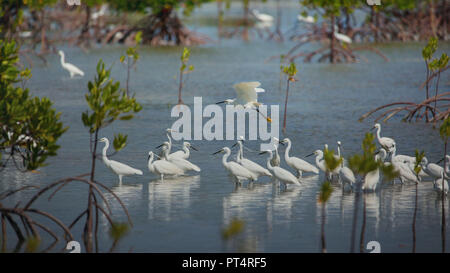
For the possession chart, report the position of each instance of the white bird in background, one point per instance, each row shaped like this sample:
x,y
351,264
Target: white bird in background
x,y
306,19
320,162
247,96
163,167
248,164
432,169
179,162
100,12
296,163
184,153
336,171
341,37
275,161
345,172
237,171
282,175
262,16
118,168
387,143
438,183
73,70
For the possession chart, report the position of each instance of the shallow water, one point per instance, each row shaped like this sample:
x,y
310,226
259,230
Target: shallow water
x,y
187,214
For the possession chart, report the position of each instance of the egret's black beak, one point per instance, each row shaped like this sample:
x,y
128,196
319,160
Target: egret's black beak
x,y
282,143
220,102
377,152
219,151
234,145
148,158
373,128
310,154
159,146
263,152
193,148
442,159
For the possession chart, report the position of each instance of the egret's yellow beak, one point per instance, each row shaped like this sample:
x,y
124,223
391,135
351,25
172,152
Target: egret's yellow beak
x,y
269,119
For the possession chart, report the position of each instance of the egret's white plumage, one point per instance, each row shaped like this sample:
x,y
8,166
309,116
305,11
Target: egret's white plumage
x,y
275,161
432,169
387,143
438,183
118,168
296,163
73,70
341,37
284,176
184,153
262,16
345,172
179,162
307,19
253,167
236,170
163,167
99,13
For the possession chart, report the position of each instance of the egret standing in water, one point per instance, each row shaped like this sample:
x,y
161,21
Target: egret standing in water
x,y
275,161
341,37
282,175
185,152
248,164
438,183
296,163
237,171
387,143
73,70
179,162
118,168
163,167
247,96
345,172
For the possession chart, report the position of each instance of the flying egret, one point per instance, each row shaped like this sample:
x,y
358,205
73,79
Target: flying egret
x,y
73,70
247,96
387,143
248,164
185,152
262,16
282,175
179,162
237,171
163,167
438,184
307,19
118,168
341,37
296,163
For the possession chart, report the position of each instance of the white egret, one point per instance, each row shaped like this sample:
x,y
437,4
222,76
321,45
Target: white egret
x,y
163,167
345,172
320,162
341,37
282,175
248,164
237,171
247,96
438,183
405,172
184,153
432,169
262,16
307,19
73,70
179,162
118,168
276,157
387,143
336,171
296,163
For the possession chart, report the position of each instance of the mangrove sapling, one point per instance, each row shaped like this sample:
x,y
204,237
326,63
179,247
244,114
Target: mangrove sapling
x,y
361,165
184,69
290,71
108,103
444,131
132,56
420,110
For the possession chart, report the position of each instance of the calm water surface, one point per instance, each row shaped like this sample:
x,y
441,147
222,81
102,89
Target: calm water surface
x,y
187,214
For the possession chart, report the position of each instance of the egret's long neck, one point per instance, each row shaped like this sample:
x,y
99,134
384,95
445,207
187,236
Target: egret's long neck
x,y
166,152
318,159
241,149
150,160
104,157
224,159
186,150
269,166
63,62
286,153
339,151
378,133
170,142
394,151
